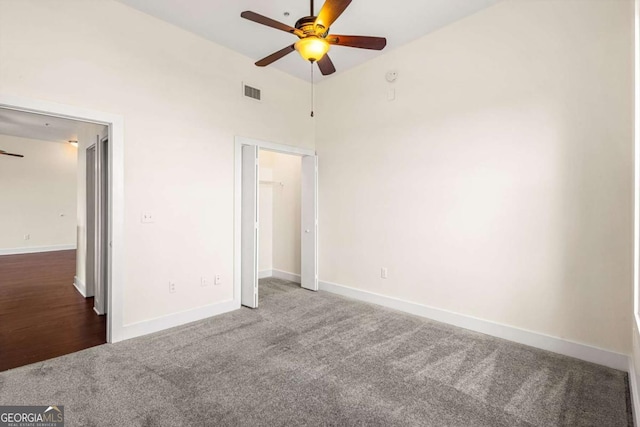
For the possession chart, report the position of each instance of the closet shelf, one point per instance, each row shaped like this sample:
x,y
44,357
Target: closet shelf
x,y
281,184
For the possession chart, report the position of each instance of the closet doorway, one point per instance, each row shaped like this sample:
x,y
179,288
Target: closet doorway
x,y
276,217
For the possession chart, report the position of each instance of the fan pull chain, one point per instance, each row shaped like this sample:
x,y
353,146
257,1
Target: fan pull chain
x,y
312,89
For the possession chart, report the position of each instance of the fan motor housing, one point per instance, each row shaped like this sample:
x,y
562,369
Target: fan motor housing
x,y
307,25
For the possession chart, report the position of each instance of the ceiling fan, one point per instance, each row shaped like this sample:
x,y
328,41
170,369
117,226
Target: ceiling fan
x,y
315,40
10,154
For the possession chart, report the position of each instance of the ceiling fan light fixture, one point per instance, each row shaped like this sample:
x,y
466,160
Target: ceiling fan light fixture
x,y
312,48
314,36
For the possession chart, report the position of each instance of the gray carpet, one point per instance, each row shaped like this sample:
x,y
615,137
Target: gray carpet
x,y
306,358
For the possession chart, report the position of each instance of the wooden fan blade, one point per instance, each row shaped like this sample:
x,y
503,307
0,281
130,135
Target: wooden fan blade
x,y
331,10
260,19
326,65
361,42
275,56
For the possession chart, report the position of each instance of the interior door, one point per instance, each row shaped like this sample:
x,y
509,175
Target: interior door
x,y
90,260
105,241
309,215
249,237
102,226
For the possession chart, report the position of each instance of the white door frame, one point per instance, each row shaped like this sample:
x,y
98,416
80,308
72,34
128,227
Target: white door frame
x,y
115,123
90,227
237,216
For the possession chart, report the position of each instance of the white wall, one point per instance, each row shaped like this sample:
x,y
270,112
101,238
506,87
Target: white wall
x,y
498,184
38,195
180,99
280,243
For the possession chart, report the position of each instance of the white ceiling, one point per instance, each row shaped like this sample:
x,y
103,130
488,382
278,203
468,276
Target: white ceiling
x,y
219,21
38,126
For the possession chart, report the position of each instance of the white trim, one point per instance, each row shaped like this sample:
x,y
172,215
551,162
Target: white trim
x,y
177,319
633,383
36,249
633,379
237,205
115,283
80,286
272,146
237,222
511,333
264,274
633,389
285,275
636,167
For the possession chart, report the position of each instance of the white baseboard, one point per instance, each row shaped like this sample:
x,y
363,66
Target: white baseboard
x,y
511,333
36,249
633,389
285,275
177,319
264,274
80,286
633,379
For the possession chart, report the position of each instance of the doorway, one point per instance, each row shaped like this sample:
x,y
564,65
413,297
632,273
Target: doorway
x,y
247,230
115,260
43,236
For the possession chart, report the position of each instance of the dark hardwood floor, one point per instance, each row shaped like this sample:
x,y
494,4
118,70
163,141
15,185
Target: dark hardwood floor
x,y
42,315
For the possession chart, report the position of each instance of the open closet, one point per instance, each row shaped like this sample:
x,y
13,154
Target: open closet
x,y
279,216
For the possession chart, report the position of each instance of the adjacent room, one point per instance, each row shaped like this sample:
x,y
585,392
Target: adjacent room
x,y
340,212
46,249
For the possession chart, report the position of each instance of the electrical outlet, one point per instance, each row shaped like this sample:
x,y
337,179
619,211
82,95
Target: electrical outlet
x,y
27,236
218,280
203,281
384,273
391,95
172,287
